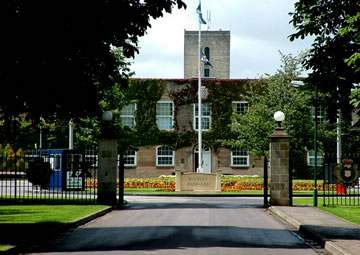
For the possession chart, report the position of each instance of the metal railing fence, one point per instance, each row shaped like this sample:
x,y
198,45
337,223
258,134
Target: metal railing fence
x,y
49,176
341,185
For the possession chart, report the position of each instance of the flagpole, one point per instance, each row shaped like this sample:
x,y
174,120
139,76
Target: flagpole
x,y
200,169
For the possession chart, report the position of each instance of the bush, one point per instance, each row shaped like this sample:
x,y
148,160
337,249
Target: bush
x,y
11,160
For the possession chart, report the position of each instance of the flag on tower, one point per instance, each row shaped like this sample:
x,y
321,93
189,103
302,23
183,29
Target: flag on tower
x,y
198,10
204,59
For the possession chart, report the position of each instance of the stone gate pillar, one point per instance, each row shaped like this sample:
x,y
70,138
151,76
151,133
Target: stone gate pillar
x,y
280,194
107,166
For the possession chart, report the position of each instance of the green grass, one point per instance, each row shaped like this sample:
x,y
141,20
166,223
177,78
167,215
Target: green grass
x,y
19,223
29,214
349,213
5,247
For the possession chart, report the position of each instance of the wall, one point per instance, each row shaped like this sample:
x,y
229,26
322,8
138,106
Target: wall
x,y
219,44
146,163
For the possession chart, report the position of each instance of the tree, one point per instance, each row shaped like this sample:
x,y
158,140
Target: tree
x,y
352,31
323,20
56,59
251,130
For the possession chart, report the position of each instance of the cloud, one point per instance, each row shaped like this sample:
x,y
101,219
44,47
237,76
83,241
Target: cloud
x,y
259,29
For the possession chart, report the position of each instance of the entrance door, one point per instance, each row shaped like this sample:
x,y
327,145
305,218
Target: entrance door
x,y
206,158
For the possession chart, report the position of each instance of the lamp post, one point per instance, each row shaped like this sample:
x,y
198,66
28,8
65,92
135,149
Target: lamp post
x,y
41,134
297,84
279,117
107,116
315,200
71,135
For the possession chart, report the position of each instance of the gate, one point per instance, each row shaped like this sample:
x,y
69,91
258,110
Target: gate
x,y
49,176
341,185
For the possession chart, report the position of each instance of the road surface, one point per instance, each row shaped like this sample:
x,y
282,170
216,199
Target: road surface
x,y
183,225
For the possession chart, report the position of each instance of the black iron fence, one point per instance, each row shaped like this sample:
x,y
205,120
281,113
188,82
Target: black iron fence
x,y
48,176
341,180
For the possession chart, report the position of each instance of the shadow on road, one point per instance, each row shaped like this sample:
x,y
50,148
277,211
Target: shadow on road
x,y
173,237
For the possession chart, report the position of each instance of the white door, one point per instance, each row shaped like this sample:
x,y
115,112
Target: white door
x,y
206,159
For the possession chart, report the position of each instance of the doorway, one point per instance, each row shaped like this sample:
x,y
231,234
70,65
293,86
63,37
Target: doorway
x,y
206,158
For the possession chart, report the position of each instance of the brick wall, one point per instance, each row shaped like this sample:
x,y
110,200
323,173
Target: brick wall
x,y
184,159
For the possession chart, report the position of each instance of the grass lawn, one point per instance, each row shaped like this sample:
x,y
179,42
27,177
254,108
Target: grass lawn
x,y
19,223
349,213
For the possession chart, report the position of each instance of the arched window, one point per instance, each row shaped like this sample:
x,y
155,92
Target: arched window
x,y
206,67
207,53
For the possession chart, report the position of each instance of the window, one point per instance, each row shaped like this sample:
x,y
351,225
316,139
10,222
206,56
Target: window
x,y
239,158
320,114
205,117
206,72
311,158
92,159
164,156
164,115
129,158
55,162
127,116
207,53
240,107
206,68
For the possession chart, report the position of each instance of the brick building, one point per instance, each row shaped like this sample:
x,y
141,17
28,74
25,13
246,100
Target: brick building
x,y
177,111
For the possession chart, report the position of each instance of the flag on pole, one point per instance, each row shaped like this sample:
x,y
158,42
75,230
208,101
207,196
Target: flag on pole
x,y
198,10
204,59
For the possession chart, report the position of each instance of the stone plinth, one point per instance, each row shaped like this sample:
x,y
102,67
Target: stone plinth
x,y
198,182
107,171
280,172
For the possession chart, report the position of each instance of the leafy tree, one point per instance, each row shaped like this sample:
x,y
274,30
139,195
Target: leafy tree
x,y
56,55
323,20
252,129
352,31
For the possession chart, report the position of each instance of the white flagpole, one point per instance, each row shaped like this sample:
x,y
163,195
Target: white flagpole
x,y
200,169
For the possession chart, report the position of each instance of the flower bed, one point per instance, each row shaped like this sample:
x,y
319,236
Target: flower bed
x,y
229,183
163,184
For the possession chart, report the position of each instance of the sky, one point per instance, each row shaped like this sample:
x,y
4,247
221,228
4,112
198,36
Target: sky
x,y
259,30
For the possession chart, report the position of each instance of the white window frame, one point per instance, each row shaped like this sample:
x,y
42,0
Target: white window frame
x,y
161,156
128,165
91,157
319,161
166,116
234,103
202,117
247,157
128,116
